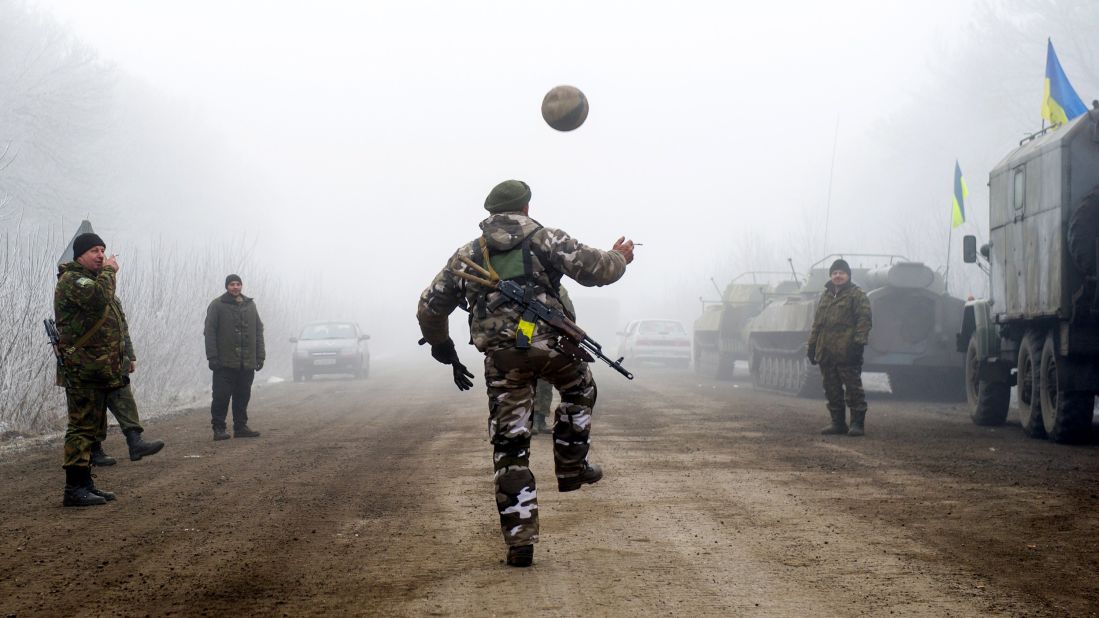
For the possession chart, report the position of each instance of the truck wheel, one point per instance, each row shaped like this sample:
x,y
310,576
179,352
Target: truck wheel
x,y
989,400
1028,396
1066,415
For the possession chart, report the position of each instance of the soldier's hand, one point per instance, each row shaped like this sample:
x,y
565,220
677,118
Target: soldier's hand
x,y
133,366
625,247
112,262
213,365
259,365
462,377
812,354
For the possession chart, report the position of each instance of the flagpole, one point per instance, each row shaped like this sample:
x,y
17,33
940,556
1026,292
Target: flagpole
x,y
949,245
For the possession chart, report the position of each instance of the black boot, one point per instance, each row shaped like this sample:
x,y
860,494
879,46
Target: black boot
x,y
101,458
838,426
90,486
244,432
220,434
140,448
858,420
76,490
590,474
521,555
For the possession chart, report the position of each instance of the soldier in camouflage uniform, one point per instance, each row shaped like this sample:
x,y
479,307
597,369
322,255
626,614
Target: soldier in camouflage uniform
x,y
519,248
92,344
122,404
841,329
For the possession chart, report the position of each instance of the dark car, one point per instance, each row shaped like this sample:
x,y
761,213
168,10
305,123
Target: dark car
x,y
330,347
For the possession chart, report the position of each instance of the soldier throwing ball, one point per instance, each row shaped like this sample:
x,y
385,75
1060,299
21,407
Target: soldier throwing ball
x,y
841,329
519,248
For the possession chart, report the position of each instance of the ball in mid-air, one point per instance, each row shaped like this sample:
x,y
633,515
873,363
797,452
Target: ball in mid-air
x,y
565,108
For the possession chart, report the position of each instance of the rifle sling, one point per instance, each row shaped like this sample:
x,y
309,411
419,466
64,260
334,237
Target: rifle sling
x,y
93,330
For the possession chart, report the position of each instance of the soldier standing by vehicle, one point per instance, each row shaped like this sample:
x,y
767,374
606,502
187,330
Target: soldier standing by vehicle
x,y
518,248
122,404
91,345
235,352
841,329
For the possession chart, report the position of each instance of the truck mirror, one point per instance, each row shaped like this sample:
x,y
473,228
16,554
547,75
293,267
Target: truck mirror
x,y
986,251
969,249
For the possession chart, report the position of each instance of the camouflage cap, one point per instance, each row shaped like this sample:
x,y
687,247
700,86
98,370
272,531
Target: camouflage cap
x,y
510,195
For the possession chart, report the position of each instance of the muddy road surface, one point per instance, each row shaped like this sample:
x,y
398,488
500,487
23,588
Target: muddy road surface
x,y
375,498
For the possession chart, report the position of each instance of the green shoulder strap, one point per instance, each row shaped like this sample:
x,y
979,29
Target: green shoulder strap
x,y
95,328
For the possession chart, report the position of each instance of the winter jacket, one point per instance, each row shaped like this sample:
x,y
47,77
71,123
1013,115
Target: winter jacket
x,y
842,319
234,333
553,254
83,299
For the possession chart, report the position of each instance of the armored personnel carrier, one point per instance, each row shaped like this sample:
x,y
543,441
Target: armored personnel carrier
x,y
911,341
719,332
1039,329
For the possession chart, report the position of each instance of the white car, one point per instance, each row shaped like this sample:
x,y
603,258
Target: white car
x,y
664,341
330,347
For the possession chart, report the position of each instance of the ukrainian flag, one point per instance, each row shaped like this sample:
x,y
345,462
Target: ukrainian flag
x,y
960,193
1060,102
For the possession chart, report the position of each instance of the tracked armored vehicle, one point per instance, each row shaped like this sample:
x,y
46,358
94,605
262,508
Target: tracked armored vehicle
x,y
912,339
1039,330
719,332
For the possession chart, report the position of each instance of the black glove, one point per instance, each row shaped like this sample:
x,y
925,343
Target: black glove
x,y
812,354
854,354
259,365
214,365
462,376
445,353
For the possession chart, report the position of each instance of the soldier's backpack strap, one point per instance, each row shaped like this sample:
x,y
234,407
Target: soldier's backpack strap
x,y
86,337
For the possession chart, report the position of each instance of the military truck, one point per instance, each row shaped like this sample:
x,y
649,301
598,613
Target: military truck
x,y
1039,329
719,331
915,321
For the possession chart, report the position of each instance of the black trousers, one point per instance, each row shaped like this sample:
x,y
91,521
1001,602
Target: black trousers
x,y
235,385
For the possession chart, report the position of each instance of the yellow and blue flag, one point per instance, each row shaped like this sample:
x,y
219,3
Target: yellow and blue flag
x,y
1060,103
960,193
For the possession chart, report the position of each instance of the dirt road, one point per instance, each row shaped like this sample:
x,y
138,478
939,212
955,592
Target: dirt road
x,y
375,497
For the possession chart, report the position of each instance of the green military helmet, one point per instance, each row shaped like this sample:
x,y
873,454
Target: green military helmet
x,y
508,196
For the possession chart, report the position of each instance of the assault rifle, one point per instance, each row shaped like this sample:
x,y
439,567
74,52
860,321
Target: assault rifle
x,y
574,341
55,340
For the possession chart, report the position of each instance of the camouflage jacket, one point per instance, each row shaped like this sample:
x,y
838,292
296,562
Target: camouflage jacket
x,y
81,299
553,254
842,318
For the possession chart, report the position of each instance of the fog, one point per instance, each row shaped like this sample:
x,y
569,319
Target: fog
x,y
349,146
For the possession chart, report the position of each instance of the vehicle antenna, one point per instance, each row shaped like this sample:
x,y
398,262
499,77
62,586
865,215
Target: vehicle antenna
x,y
793,271
715,287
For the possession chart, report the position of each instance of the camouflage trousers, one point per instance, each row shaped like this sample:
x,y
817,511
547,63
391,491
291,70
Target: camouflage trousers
x,y
511,376
843,384
123,406
87,414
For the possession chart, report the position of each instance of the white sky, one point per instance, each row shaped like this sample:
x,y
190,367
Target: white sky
x,y
378,128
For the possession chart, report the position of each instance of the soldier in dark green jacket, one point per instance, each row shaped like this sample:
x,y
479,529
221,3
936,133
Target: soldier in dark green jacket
x,y
123,406
841,330
90,325
235,352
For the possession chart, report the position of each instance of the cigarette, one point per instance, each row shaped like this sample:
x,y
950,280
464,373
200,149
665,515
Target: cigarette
x,y
638,244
